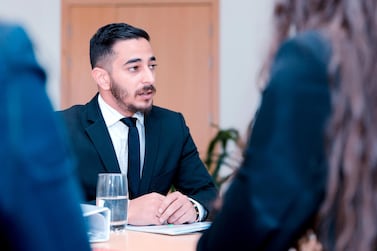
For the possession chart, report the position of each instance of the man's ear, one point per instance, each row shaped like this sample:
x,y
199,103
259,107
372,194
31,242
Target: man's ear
x,y
101,77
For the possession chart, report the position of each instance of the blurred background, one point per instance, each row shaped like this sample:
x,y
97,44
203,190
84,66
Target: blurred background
x,y
244,29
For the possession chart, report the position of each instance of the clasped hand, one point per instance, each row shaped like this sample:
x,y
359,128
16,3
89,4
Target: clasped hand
x,y
157,209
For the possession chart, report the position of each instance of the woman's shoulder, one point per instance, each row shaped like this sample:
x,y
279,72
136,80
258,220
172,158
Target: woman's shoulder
x,y
301,65
312,43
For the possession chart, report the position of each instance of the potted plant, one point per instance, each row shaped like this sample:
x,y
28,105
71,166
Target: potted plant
x,y
219,154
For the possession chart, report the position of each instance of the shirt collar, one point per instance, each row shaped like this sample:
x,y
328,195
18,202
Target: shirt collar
x,y
112,116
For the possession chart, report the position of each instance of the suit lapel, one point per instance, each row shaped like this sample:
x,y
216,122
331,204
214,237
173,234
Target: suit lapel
x,y
152,138
99,135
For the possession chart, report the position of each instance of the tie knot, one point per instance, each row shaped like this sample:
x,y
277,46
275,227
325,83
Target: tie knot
x,y
129,121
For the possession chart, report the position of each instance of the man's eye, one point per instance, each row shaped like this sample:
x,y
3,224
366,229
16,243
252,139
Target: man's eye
x,y
133,68
152,66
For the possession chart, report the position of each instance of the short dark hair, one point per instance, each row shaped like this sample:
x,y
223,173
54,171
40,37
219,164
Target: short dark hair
x,y
102,42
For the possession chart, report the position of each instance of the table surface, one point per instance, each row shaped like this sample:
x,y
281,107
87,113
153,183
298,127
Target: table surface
x,y
140,241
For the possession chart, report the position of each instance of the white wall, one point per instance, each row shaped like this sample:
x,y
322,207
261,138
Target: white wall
x,y
41,18
245,27
244,34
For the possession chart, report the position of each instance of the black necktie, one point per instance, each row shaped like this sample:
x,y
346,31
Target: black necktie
x,y
133,172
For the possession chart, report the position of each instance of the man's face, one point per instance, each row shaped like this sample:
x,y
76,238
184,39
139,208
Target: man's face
x,y
132,76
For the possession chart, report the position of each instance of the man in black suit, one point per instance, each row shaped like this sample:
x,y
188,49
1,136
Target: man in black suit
x,y
123,66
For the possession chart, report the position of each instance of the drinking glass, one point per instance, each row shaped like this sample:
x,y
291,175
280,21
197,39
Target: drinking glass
x,y
112,192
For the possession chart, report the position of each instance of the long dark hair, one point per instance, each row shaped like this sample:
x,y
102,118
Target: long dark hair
x,y
347,219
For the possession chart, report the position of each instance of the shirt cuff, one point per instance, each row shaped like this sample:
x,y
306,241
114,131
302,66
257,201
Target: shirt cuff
x,y
202,210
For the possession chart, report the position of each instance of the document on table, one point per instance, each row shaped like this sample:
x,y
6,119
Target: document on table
x,y
171,229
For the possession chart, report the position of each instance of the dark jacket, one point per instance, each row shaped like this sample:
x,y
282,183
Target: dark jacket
x,y
36,165
280,185
171,157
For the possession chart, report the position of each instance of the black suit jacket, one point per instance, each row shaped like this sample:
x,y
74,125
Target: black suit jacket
x,y
171,157
281,183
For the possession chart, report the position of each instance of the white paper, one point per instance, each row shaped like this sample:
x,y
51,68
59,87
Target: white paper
x,y
98,222
171,229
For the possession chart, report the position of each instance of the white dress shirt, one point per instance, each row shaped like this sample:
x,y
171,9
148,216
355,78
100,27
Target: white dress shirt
x,y
119,134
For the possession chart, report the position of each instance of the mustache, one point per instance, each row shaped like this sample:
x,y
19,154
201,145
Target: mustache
x,y
147,88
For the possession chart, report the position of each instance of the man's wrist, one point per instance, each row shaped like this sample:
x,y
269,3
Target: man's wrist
x,y
197,219
201,212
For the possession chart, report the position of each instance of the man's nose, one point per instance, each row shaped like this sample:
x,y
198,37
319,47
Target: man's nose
x,y
149,76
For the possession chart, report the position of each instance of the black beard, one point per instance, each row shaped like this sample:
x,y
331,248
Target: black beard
x,y
118,95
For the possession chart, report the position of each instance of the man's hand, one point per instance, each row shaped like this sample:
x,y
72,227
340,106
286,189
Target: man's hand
x,y
308,242
144,209
176,208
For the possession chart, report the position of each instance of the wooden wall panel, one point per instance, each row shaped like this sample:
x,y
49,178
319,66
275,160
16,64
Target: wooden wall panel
x,y
184,37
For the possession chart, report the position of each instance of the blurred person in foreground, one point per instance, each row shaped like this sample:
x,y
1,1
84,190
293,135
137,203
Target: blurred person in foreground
x,y
36,167
311,161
